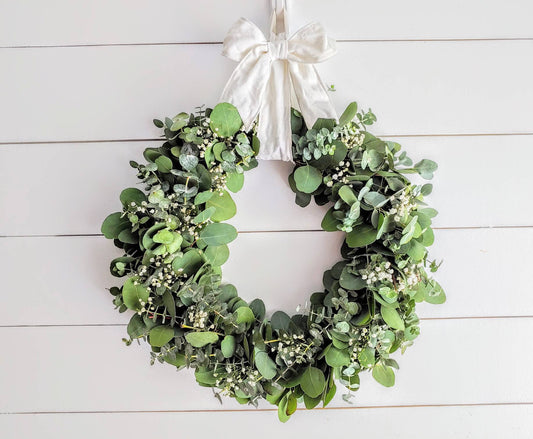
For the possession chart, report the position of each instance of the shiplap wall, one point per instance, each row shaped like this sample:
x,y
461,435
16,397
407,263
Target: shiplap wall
x,y
79,85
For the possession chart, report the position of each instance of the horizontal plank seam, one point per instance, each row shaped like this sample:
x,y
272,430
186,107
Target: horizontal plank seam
x,y
254,410
105,325
53,142
203,43
244,232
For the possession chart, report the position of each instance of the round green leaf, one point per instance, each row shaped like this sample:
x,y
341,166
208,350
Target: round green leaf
x,y
204,215
347,194
292,404
283,416
228,346
128,237
258,308
188,263
384,375
202,197
164,164
311,403
132,195
136,326
133,295
224,206
337,358
392,318
367,357
188,162
147,240
201,339
218,234
234,181
225,120
217,254
114,224
265,365
205,376
313,382
244,315
329,222
170,304
161,335
163,237
361,236
307,179
280,320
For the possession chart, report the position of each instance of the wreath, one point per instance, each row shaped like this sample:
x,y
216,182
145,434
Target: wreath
x,y
175,241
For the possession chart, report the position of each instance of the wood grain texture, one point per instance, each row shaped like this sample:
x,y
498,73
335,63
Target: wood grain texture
x,y
110,93
68,275
89,369
468,185
61,22
478,422
465,104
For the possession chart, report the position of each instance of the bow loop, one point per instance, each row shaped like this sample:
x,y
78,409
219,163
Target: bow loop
x,y
241,38
311,45
268,72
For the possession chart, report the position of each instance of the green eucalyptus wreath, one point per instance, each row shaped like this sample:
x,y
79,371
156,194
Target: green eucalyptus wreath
x,y
175,242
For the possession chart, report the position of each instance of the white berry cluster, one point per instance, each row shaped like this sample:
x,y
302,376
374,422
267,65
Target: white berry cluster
x,y
293,349
144,305
340,173
218,181
352,136
235,376
377,271
410,277
357,343
401,206
164,274
188,212
198,318
142,208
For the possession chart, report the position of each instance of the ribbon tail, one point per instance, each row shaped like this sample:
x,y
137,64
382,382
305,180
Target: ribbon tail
x,y
311,93
246,85
274,127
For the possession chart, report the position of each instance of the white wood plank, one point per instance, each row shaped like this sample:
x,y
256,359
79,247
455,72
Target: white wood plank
x,y
486,422
68,275
88,369
71,188
59,22
107,93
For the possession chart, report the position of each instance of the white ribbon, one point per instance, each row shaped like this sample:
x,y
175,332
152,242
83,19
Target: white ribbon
x,y
274,75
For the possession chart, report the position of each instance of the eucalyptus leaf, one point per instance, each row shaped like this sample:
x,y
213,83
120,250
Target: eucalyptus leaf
x,y
224,206
307,179
132,195
265,365
201,339
348,114
384,375
161,335
392,318
218,234
228,345
133,294
313,382
225,120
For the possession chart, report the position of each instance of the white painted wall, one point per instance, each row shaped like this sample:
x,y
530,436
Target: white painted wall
x,y
79,85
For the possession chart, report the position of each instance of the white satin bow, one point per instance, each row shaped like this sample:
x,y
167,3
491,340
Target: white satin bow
x,y
273,75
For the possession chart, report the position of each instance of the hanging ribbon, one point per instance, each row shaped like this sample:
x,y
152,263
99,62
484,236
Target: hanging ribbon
x,y
274,75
